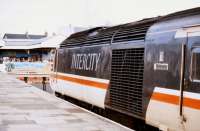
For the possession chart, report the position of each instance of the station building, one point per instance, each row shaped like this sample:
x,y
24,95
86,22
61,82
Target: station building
x,y
30,55
21,47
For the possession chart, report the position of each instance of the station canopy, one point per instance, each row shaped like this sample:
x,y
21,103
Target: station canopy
x,y
46,42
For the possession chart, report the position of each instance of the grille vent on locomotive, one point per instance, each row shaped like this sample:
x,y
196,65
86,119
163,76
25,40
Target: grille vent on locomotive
x,y
86,39
127,71
126,80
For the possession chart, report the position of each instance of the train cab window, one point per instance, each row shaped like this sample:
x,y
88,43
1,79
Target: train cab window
x,y
195,65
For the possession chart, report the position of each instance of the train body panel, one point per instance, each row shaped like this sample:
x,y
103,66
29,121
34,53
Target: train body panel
x,y
164,110
81,74
82,88
163,66
147,69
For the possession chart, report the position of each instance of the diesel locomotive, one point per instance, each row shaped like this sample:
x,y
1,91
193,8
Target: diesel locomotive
x,y
148,69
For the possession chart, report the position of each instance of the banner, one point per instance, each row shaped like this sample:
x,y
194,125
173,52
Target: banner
x,y
28,68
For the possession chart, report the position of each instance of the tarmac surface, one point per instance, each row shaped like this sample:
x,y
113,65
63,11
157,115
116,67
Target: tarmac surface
x,y
24,107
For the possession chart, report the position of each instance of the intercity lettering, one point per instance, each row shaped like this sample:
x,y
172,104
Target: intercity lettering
x,y
83,61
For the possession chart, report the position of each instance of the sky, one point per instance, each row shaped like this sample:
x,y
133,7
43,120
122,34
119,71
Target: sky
x,y
39,16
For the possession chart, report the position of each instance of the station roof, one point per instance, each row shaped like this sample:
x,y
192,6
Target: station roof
x,y
43,42
22,36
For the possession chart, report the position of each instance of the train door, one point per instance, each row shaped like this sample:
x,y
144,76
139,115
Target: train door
x,y
190,110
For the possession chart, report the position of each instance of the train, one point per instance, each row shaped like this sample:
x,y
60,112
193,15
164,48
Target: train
x,y
148,69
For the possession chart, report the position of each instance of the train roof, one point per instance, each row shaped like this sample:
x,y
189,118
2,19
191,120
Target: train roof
x,y
184,13
105,35
133,31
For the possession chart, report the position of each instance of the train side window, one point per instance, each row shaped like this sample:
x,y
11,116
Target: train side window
x,y
195,65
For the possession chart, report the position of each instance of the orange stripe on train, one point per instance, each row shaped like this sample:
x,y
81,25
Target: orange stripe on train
x,y
83,82
173,99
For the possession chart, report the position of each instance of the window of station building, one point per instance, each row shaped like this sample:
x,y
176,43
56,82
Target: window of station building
x,y
195,65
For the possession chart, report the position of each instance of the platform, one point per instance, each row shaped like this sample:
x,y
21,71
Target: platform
x,y
26,108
